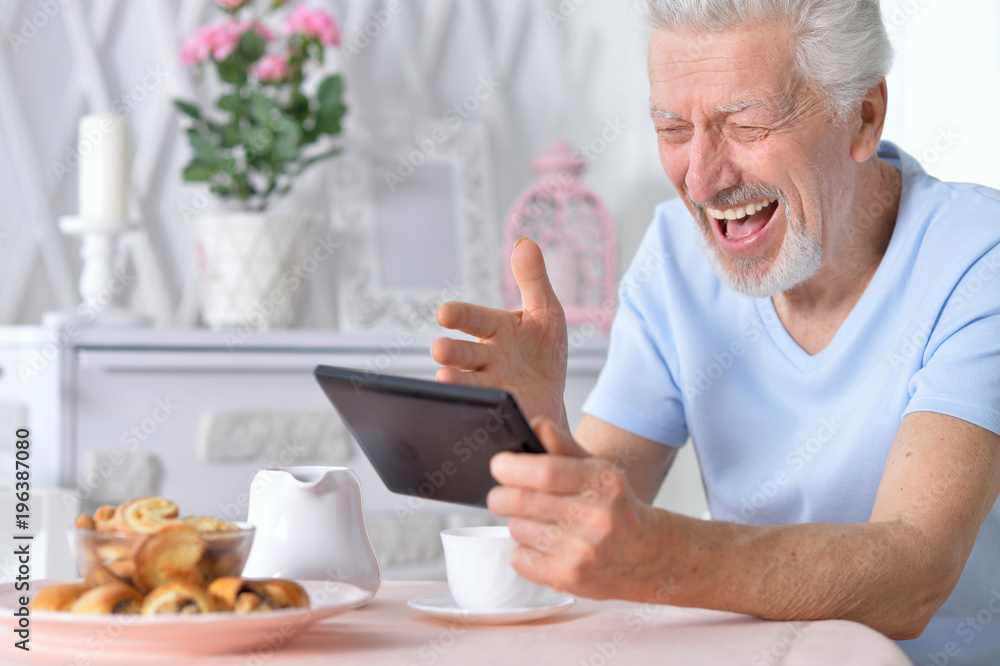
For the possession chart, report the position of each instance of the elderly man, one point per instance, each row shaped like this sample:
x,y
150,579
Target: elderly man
x,y
832,351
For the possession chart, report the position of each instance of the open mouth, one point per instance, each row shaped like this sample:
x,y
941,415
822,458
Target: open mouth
x,y
743,223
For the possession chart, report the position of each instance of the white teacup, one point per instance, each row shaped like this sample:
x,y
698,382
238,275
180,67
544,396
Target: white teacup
x,y
480,576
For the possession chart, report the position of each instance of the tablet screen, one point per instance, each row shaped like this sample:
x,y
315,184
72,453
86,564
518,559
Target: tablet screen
x,y
428,439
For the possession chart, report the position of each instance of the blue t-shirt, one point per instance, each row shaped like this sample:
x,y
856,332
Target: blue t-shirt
x,y
785,437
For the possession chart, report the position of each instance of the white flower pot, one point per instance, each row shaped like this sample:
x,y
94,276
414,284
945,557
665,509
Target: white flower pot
x,y
243,260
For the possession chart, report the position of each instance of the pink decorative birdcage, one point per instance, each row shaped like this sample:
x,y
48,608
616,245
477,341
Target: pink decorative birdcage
x,y
577,237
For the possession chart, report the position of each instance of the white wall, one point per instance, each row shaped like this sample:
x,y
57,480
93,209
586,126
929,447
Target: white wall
x,y
944,90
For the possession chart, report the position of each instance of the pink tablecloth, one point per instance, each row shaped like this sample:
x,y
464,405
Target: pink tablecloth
x,y
592,633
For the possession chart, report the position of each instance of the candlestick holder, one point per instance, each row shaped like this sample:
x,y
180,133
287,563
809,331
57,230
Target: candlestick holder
x,y
100,284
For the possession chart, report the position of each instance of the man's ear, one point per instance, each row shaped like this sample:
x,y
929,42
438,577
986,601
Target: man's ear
x,y
869,123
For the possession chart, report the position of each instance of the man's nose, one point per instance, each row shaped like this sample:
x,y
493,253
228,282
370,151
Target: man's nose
x,y
709,169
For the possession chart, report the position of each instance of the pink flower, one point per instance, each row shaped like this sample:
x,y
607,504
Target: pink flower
x,y
210,41
231,5
313,24
272,69
218,41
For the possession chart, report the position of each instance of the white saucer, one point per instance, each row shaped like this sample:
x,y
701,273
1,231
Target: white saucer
x,y
443,606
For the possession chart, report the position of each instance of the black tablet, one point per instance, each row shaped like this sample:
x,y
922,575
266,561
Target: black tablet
x,y
428,439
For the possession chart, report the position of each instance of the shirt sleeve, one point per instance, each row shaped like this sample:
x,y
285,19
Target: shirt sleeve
x,y
960,374
636,390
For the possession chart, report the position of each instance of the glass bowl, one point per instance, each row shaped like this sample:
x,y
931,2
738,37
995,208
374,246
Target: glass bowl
x,y
146,560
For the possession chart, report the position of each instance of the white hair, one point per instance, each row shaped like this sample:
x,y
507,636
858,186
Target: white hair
x,y
842,45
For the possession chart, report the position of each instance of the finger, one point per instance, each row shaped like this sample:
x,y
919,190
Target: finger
x,y
453,376
557,442
475,320
521,503
542,536
528,265
460,353
543,567
551,474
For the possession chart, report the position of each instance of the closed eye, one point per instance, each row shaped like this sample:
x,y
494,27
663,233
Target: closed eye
x,y
673,134
747,133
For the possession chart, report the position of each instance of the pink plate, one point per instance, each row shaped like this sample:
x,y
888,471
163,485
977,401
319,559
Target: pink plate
x,y
102,636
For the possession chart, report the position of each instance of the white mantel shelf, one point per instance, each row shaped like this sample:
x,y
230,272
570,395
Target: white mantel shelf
x,y
304,340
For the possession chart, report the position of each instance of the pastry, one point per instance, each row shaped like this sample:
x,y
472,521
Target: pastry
x,y
240,596
109,551
172,554
146,515
284,593
84,522
98,575
58,597
181,598
116,598
227,564
123,568
104,518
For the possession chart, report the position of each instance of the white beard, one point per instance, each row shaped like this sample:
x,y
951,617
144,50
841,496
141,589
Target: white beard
x,y
799,258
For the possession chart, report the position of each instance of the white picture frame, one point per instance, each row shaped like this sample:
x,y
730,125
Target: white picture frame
x,y
401,255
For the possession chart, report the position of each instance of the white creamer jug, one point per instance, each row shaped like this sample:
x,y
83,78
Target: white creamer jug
x,y
310,526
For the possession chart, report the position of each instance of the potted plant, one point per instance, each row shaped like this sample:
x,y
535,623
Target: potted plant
x,y
267,126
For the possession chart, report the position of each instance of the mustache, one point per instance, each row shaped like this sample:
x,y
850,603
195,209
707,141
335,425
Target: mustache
x,y
738,194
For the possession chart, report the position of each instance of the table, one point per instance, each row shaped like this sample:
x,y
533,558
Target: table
x,y
592,633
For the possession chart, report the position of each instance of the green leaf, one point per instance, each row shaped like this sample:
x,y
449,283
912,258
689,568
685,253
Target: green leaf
x,y
257,141
196,172
298,107
188,109
252,46
231,102
330,92
231,134
284,125
286,148
221,190
328,120
261,108
231,71
331,106
204,149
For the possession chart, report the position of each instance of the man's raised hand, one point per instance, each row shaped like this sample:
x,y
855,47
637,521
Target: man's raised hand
x,y
521,352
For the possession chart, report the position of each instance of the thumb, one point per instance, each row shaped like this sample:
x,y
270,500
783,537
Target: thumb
x,y
528,266
556,441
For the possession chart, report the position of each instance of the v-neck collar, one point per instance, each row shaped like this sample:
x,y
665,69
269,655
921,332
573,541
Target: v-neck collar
x,y
910,170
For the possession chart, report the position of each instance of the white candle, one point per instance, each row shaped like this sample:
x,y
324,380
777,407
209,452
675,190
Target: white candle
x,y
104,167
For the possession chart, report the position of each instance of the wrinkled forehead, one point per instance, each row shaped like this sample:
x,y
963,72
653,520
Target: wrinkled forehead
x,y
692,71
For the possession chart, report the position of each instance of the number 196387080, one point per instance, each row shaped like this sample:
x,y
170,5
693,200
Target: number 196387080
x,y
22,475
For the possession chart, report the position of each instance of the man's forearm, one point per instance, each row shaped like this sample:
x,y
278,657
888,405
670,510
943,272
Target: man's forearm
x,y
879,574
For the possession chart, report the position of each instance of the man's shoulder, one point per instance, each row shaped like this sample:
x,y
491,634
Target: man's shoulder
x,y
957,220
949,223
